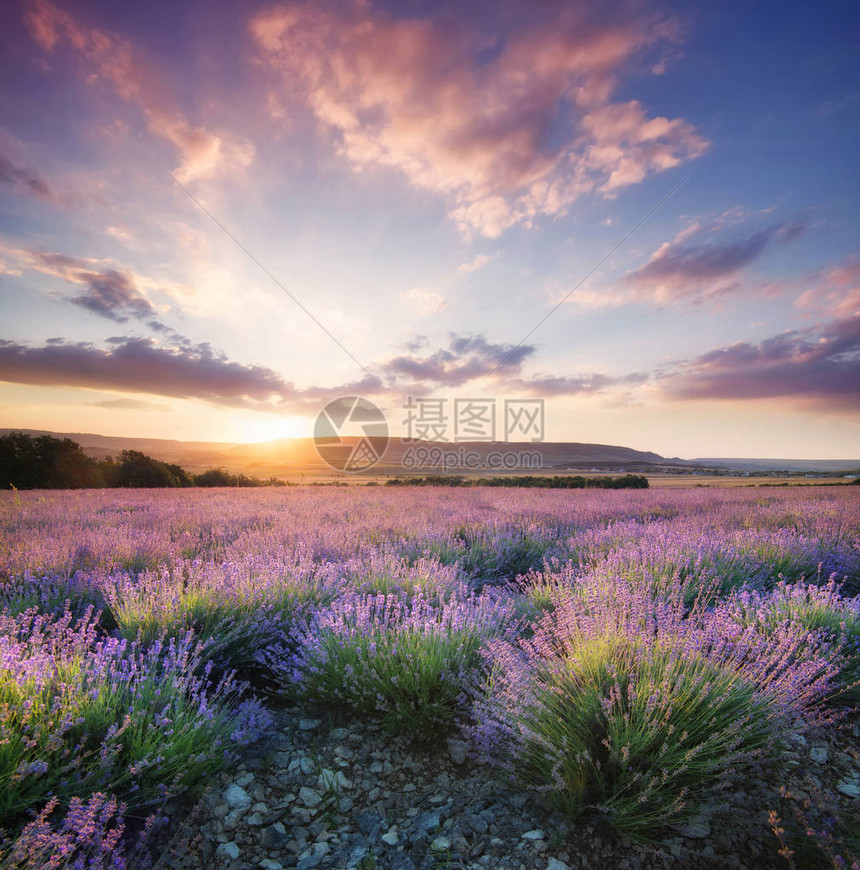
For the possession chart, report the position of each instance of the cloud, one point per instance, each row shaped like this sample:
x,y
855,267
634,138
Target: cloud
x,y
479,262
468,358
818,366
837,293
115,61
25,180
465,359
139,365
425,302
700,271
130,405
551,386
110,293
508,126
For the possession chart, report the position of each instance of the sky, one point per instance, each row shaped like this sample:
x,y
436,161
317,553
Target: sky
x,y
215,219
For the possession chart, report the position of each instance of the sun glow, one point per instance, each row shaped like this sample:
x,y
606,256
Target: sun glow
x,y
264,427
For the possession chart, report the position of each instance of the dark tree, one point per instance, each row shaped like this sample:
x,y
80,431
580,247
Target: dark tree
x,y
45,462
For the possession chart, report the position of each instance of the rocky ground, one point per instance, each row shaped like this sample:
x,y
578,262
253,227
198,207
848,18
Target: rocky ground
x,y
314,795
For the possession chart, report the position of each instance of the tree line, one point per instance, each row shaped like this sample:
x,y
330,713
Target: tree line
x,y
625,481
45,462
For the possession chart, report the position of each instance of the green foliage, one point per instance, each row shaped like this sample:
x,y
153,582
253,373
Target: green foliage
x,y
222,477
135,469
561,481
640,735
44,462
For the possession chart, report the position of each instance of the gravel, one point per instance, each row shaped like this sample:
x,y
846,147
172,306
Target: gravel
x,y
309,797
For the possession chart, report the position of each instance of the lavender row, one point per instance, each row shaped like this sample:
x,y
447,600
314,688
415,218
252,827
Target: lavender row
x,y
623,653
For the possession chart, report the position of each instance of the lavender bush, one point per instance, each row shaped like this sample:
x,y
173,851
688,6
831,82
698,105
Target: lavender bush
x,y
639,647
629,705
397,656
80,714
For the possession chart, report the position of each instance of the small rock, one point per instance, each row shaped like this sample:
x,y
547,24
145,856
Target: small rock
x,y
236,797
848,787
458,751
272,838
309,797
390,837
244,779
307,765
427,822
330,780
536,834
818,754
367,823
440,844
697,829
308,724
228,850
555,864
255,820
269,864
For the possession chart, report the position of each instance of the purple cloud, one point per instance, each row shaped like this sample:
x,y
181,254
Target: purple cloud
x,y
683,271
110,293
820,365
25,180
465,359
139,365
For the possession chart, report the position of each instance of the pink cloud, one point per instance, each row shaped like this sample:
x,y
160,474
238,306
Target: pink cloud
x,y
114,60
508,129
696,268
819,366
837,292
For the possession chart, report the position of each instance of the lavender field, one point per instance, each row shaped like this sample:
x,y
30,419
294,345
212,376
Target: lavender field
x,y
628,660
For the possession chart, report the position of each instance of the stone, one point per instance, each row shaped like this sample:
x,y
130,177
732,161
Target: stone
x,y
255,820
427,822
228,850
309,797
308,724
330,780
307,765
475,823
368,823
536,834
697,829
244,779
850,787
272,838
390,837
458,751
440,844
236,797
555,864
818,754
270,864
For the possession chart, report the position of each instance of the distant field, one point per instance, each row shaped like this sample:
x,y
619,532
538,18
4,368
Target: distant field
x,y
637,658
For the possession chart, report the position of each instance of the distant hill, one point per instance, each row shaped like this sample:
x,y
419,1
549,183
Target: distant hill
x,y
810,465
292,457
284,456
